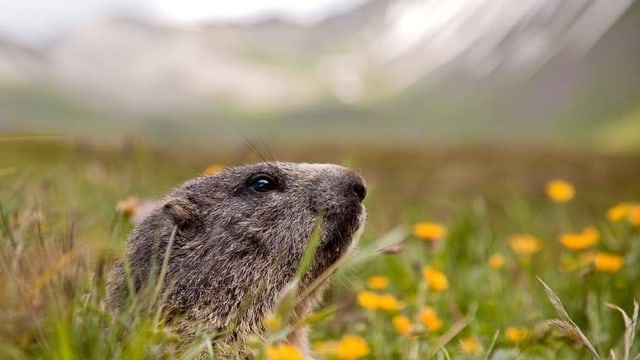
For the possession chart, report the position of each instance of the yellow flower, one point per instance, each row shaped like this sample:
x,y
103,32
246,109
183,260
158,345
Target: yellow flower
x,y
429,231
560,191
524,244
373,301
212,169
607,262
128,207
496,261
429,318
284,352
634,215
402,325
516,334
368,300
618,212
389,302
436,280
378,282
582,240
471,345
352,347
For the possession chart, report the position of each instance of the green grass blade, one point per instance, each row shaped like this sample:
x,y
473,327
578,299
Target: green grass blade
x,y
562,312
630,326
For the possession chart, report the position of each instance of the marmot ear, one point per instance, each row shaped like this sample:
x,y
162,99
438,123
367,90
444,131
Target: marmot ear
x,y
181,211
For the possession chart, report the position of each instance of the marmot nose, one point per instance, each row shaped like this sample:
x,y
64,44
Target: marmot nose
x,y
360,189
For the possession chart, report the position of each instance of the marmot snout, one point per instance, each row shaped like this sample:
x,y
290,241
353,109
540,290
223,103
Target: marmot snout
x,y
239,238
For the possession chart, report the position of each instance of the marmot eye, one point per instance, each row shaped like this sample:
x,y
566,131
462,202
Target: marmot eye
x,y
263,183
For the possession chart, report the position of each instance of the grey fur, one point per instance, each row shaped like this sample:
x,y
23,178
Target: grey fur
x,y
236,248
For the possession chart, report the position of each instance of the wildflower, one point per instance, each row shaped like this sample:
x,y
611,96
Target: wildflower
x,y
618,212
634,215
284,352
402,325
470,345
212,169
368,300
430,319
373,301
560,191
429,231
607,262
436,280
388,302
352,347
128,207
516,334
524,244
378,282
579,241
496,261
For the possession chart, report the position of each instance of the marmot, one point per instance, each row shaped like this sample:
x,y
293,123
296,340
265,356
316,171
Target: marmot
x,y
238,238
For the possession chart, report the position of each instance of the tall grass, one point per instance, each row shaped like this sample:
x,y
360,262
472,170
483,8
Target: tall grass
x,y
60,233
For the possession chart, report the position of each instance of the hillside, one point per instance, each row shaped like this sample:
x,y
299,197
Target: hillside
x,y
385,70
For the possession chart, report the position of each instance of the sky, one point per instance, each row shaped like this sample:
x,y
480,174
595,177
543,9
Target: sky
x,y
36,21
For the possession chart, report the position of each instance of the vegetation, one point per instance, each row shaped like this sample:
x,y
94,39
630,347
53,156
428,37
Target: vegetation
x,y
453,264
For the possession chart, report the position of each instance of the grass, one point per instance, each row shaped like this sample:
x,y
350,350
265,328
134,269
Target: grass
x,y
60,233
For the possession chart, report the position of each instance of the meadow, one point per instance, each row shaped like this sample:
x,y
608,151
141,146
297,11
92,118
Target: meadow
x,y
457,246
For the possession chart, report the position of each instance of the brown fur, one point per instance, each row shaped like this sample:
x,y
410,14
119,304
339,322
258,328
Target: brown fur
x,y
236,247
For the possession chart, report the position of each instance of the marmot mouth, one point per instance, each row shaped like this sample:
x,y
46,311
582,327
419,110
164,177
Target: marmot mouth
x,y
340,231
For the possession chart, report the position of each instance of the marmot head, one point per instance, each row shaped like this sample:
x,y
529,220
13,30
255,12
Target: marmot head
x,y
242,233
271,209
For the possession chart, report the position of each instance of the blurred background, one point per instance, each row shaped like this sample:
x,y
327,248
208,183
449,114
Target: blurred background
x,y
458,113
387,72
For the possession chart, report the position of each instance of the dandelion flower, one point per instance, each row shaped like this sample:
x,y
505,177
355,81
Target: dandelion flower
x,y
516,334
524,244
471,345
352,347
378,282
618,212
607,262
402,325
634,215
374,301
388,302
560,191
585,239
368,300
429,231
284,352
436,280
429,318
128,207
496,261
212,169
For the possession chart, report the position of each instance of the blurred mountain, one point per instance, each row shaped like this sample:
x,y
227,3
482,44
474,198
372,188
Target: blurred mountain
x,y
418,69
18,63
